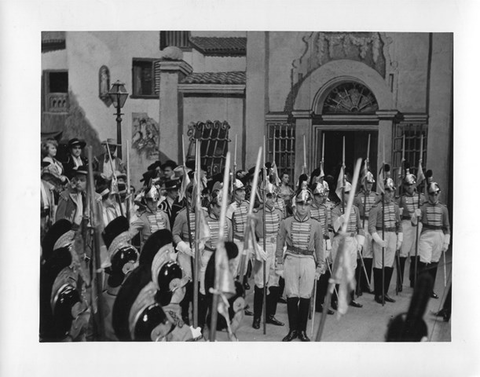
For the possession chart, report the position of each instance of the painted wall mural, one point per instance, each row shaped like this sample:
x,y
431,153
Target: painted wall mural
x,y
145,135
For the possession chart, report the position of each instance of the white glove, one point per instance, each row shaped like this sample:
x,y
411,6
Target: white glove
x,y
446,242
196,332
279,269
329,244
399,240
360,242
418,212
183,247
338,223
320,270
379,240
414,219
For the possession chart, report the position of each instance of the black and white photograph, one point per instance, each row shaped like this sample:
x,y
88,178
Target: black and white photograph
x,y
298,189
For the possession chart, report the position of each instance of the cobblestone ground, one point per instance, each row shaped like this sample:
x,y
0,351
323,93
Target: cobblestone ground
x,y
367,324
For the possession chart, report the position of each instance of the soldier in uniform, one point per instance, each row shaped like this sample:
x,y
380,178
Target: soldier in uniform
x,y
152,217
237,212
409,204
183,237
321,212
212,218
365,200
170,204
107,164
385,219
355,238
273,216
435,236
304,258
122,258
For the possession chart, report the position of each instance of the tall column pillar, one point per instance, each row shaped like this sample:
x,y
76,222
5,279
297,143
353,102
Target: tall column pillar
x,y
386,120
303,126
171,109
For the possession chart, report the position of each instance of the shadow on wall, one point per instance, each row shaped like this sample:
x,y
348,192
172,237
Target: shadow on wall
x,y
77,125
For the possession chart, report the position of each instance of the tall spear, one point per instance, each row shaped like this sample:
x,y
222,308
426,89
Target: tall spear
x,y
96,278
234,166
344,173
399,184
341,250
419,174
383,225
304,170
220,249
264,264
129,191
114,181
197,234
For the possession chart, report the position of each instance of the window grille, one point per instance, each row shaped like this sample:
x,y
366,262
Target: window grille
x,y
214,144
413,133
283,135
350,97
179,39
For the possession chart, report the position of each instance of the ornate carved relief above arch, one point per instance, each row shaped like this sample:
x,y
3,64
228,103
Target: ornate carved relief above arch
x,y
321,48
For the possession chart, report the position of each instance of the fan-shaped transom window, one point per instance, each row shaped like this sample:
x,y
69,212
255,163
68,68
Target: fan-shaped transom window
x,y
350,97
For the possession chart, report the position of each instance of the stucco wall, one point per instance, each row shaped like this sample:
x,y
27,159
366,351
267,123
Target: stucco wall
x,y
87,52
201,109
54,60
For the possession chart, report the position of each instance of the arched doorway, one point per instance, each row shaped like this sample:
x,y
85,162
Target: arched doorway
x,y
345,110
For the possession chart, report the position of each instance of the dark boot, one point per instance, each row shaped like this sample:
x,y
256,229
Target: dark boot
x,y
334,299
185,303
257,306
363,281
412,270
354,303
202,310
292,309
281,286
388,278
358,277
303,310
433,271
377,282
322,287
272,300
401,273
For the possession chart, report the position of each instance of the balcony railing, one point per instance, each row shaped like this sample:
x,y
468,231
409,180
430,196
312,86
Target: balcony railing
x,y
57,102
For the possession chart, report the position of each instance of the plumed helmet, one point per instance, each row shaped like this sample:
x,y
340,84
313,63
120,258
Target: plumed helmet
x,y
369,177
56,231
147,321
144,315
319,189
238,185
433,188
123,261
153,244
217,197
389,184
303,196
270,189
169,279
409,179
152,193
114,228
348,187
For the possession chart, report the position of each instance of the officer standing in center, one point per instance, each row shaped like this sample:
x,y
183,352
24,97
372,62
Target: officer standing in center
x,y
303,260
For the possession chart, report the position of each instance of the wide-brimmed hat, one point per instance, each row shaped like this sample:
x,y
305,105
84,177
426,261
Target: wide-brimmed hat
x,y
74,142
81,170
172,184
110,141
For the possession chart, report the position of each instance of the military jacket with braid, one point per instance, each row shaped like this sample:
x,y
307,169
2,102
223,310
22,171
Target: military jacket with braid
x,y
237,212
303,238
153,221
272,223
354,225
214,226
323,214
389,221
181,227
366,202
435,216
410,203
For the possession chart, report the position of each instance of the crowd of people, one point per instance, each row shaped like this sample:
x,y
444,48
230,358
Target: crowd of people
x,y
119,263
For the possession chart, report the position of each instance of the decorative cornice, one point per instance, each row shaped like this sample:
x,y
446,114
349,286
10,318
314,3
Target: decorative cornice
x,y
172,66
302,114
345,117
211,89
387,114
277,118
414,118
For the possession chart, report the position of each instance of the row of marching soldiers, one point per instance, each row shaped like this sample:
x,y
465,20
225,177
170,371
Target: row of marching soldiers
x,y
147,251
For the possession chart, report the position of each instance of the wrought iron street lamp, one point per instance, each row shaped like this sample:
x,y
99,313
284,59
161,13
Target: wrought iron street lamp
x,y
118,94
